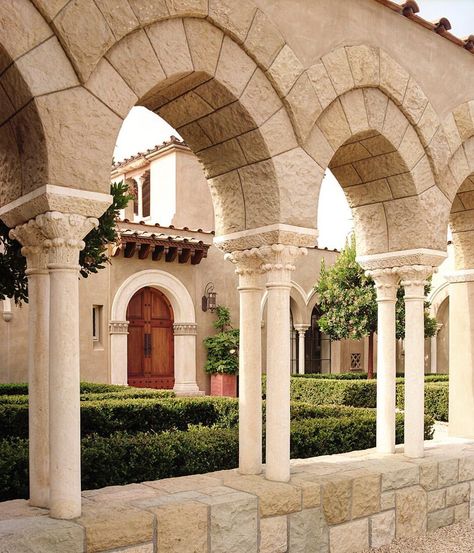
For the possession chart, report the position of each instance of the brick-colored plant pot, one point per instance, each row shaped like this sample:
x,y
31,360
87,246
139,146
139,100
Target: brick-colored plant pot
x,y
224,385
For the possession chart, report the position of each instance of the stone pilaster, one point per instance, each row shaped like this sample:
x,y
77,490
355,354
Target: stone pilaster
x,y
37,272
386,286
279,264
64,233
414,279
248,265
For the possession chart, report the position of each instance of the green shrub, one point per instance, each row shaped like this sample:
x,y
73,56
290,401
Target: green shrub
x,y
436,399
437,378
123,458
333,376
86,388
13,389
14,399
355,393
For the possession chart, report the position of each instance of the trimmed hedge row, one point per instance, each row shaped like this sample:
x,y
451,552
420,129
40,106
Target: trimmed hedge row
x,y
86,388
124,393
159,415
363,376
118,459
436,399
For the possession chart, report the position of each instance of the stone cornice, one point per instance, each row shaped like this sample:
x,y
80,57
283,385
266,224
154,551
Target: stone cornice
x,y
402,258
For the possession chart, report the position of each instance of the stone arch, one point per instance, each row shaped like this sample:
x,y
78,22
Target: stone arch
x,y
298,303
204,84
458,182
184,327
379,159
437,297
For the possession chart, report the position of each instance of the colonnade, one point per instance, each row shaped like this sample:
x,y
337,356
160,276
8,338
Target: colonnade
x,y
270,267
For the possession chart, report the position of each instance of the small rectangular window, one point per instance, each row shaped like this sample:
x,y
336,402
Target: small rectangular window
x,y
96,324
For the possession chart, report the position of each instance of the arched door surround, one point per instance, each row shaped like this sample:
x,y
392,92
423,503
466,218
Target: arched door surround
x,y
184,327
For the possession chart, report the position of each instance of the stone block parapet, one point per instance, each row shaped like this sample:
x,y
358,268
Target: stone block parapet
x,y
333,504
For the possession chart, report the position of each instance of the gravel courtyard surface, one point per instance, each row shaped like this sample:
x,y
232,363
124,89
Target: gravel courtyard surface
x,y
458,538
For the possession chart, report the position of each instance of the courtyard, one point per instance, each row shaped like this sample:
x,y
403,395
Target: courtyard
x,y
138,278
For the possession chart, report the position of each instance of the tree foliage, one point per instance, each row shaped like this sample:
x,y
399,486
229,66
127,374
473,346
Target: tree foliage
x,y
223,347
13,280
348,301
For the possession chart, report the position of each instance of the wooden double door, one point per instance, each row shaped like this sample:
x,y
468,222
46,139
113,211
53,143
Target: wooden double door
x,y
150,340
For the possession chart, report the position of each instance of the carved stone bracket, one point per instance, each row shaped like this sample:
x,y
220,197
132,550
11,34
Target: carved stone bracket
x,y
32,239
185,329
118,327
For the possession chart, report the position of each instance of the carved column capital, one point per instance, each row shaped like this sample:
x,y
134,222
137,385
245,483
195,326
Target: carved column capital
x,y
414,279
386,283
118,327
64,233
279,257
301,328
185,329
249,267
33,241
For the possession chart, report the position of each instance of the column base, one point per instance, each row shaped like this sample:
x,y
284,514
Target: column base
x,y
187,389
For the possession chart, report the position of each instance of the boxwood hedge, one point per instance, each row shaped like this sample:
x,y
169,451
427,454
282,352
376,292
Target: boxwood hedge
x,y
123,458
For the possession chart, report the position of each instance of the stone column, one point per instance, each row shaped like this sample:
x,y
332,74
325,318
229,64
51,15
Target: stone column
x,y
434,351
38,360
248,267
301,329
64,233
386,285
461,354
185,359
279,264
413,279
118,331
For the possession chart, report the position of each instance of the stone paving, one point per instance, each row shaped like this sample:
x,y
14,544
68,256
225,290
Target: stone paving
x,y
333,504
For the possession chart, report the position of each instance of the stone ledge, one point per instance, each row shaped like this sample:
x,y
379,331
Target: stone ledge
x,y
332,504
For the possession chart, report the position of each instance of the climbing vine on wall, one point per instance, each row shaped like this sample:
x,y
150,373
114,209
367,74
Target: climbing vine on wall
x,y
13,280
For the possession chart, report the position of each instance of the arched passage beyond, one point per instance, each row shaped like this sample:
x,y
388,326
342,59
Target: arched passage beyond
x,y
184,327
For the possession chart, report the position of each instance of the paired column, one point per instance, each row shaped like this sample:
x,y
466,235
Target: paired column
x,y
413,279
279,265
118,331
248,267
301,329
386,285
38,360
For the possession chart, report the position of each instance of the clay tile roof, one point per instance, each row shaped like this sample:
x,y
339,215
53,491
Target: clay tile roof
x,y
442,27
173,140
160,245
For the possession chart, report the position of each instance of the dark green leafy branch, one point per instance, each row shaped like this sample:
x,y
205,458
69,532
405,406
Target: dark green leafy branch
x,y
13,280
223,347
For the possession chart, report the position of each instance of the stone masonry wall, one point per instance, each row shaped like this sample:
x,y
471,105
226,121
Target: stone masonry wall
x,y
336,504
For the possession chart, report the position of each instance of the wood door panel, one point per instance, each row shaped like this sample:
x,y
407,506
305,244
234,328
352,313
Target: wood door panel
x,y
161,357
150,317
135,350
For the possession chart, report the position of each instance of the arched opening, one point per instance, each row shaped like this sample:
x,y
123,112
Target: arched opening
x,y
150,353
317,347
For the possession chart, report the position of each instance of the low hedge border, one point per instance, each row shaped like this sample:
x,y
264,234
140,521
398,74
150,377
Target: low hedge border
x,y
436,399
118,459
363,376
159,415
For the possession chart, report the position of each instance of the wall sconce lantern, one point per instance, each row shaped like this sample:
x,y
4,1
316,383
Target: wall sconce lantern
x,y
209,300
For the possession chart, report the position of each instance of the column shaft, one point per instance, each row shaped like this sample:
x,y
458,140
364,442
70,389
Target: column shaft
x,y
250,376
280,264
413,280
301,329
278,382
386,285
185,359
65,438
